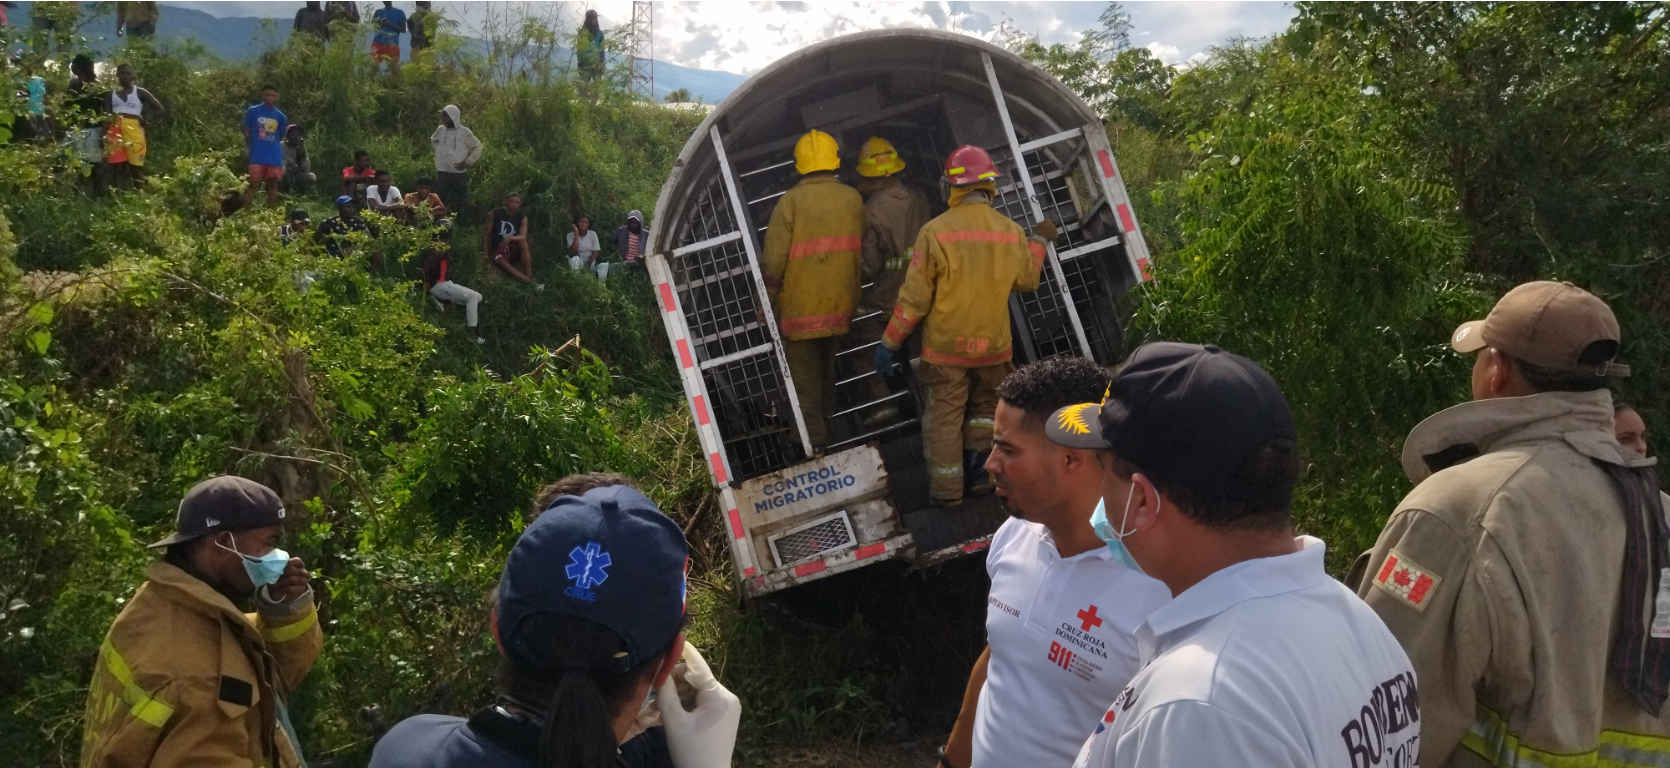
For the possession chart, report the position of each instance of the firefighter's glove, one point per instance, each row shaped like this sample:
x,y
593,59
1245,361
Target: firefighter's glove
x,y
884,360
1045,230
703,737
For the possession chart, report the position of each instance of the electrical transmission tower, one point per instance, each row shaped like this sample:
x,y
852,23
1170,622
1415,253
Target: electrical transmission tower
x,y
640,41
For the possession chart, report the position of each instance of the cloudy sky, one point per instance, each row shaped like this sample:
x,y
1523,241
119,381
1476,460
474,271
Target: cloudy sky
x,y
744,37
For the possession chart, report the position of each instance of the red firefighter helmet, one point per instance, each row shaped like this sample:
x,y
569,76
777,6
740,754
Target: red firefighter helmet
x,y
969,164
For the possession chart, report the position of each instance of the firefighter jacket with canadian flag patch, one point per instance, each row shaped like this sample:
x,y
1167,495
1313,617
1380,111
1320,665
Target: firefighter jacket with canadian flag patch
x,y
1500,574
811,259
965,264
184,678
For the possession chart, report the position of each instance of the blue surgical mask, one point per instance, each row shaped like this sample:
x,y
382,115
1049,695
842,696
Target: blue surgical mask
x,y
1114,537
264,570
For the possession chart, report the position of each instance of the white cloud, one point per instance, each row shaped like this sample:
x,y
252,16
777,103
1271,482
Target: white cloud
x,y
1163,52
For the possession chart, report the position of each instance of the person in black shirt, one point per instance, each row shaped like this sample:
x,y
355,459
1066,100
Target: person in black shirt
x,y
313,20
295,227
505,240
332,232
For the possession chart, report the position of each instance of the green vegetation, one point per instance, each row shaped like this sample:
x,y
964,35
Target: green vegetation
x,y
1334,201
1330,202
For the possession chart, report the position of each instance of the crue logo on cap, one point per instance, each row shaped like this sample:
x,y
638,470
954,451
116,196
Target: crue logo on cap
x,y
1072,419
588,568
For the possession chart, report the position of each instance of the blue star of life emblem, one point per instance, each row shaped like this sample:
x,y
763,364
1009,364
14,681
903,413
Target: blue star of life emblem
x,y
587,567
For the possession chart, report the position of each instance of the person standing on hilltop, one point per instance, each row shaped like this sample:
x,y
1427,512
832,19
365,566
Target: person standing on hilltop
x,y
125,139
137,19
421,25
588,47
313,20
264,124
385,46
457,150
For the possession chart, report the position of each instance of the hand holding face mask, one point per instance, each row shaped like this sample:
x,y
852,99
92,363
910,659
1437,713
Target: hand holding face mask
x,y
285,576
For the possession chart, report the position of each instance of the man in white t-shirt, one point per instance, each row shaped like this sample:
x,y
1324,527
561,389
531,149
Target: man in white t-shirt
x,y
383,197
1260,659
1061,610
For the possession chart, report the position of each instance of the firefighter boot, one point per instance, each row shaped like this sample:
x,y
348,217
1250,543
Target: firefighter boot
x,y
977,481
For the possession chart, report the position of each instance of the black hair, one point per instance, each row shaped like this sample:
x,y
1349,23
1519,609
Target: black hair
x,y
578,217
511,194
425,181
575,485
580,682
359,153
1543,379
82,63
380,172
298,213
1269,473
1040,389
270,87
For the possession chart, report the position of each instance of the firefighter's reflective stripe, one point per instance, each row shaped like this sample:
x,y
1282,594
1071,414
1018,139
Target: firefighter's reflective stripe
x,y
816,323
899,328
819,245
292,630
945,470
1038,252
1490,738
981,423
977,236
896,263
142,705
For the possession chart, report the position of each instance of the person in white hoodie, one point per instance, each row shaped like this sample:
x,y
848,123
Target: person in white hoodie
x,y
457,150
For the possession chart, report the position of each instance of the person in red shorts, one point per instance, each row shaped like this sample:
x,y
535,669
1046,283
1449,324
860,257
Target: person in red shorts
x,y
385,45
264,128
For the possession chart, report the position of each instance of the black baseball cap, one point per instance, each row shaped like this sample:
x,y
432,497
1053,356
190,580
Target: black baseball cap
x,y
608,556
226,503
1184,413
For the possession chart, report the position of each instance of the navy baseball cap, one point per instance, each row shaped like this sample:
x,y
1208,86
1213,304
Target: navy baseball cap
x,y
608,556
344,199
1184,413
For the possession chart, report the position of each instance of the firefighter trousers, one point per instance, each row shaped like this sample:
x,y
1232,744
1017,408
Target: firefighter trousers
x,y
812,366
961,403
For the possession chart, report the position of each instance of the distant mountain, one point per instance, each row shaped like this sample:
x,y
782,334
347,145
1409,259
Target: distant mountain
x,y
242,38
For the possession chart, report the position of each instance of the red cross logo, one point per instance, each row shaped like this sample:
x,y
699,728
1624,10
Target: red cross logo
x,y
1090,619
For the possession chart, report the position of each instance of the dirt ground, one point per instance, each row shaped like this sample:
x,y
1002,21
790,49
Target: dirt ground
x,y
919,754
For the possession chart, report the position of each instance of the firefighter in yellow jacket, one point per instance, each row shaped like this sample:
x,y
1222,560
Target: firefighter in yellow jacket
x,y
811,270
184,677
894,212
962,269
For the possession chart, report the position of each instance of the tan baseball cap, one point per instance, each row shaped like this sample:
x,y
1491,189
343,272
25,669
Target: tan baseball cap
x,y
1546,324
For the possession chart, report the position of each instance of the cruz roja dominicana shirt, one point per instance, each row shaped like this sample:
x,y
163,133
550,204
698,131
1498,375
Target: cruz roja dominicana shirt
x,y
1060,631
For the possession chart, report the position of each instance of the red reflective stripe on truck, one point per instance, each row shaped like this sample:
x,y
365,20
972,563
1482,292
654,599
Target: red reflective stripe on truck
x,y
1107,162
1125,219
808,569
701,405
736,526
1142,264
975,546
684,354
718,467
748,572
667,296
872,550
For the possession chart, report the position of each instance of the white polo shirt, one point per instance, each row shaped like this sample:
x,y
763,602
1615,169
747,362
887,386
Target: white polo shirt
x,y
1266,663
1061,645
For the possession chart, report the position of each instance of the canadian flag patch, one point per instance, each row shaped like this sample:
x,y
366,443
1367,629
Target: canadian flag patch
x,y
1402,578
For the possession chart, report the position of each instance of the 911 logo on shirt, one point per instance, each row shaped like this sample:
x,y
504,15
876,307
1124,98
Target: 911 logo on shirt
x,y
1401,578
1076,663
